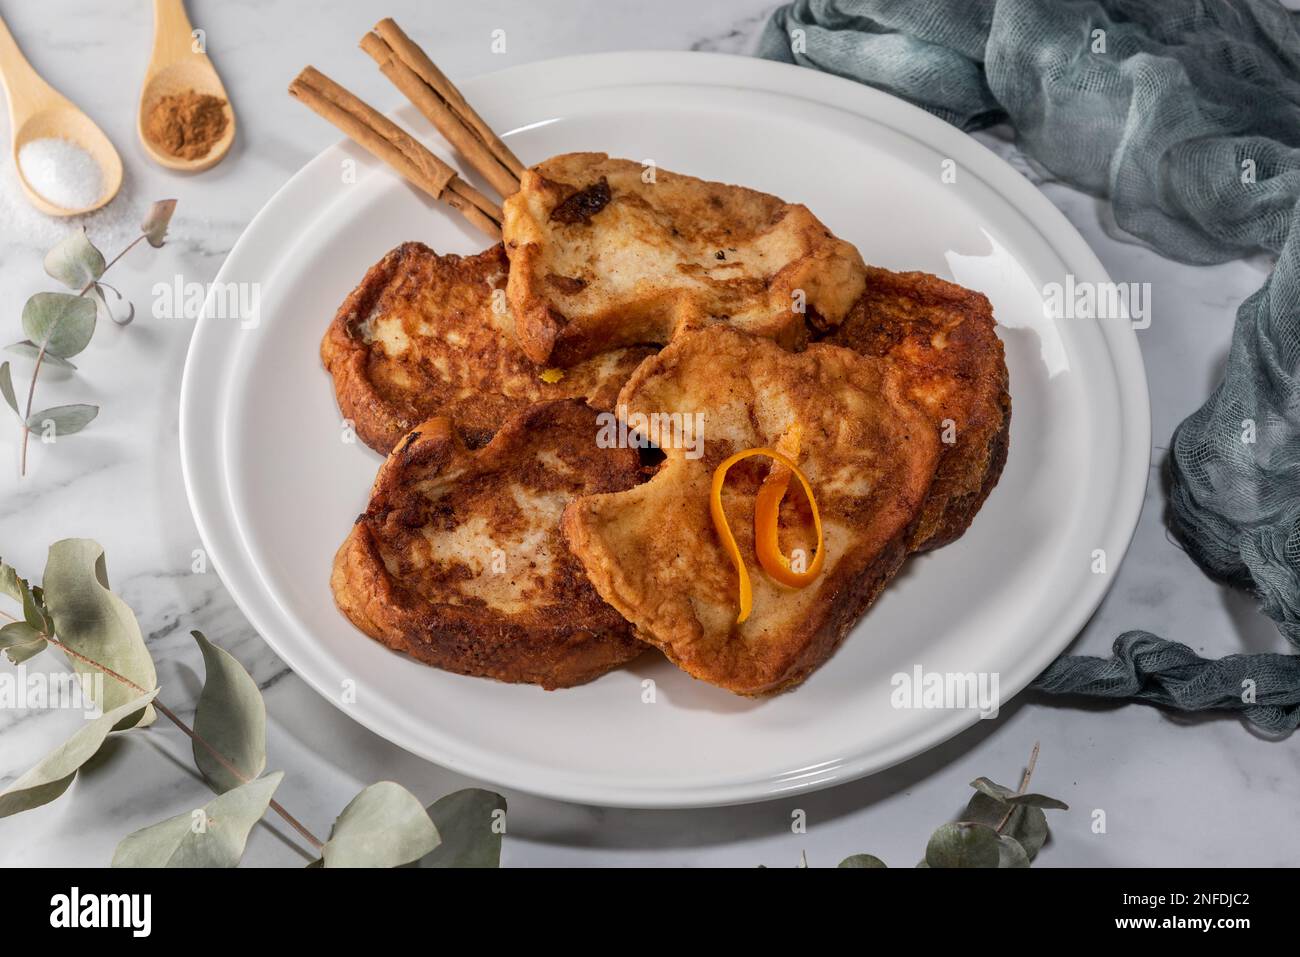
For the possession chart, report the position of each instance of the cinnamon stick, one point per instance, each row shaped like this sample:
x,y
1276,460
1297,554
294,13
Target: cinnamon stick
x,y
461,138
411,71
388,142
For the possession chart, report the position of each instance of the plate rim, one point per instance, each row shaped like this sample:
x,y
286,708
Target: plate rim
x,y
677,67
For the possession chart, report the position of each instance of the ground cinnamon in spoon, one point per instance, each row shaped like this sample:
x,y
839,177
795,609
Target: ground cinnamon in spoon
x,y
186,125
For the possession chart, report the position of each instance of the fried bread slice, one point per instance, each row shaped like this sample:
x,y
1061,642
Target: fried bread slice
x,y
459,561
602,254
652,551
943,336
421,336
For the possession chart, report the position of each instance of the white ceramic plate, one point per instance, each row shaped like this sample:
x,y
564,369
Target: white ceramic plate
x,y
274,489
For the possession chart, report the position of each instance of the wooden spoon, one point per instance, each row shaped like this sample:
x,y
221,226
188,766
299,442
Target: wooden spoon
x,y
38,111
176,67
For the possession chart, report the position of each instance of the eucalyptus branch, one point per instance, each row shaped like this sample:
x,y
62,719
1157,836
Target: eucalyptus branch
x,y
1024,786
74,611
44,345
1000,828
58,326
195,736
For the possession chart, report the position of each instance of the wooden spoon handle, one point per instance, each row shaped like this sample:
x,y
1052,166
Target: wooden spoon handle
x,y
173,34
27,91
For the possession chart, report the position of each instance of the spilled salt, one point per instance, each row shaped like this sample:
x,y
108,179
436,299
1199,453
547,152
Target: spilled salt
x,y
62,172
24,228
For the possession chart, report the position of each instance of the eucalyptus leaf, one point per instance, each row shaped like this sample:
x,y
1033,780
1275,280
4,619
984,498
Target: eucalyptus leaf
x,y
962,845
18,633
1006,795
231,717
21,641
67,419
52,776
30,350
999,792
156,221
94,622
33,614
7,388
212,837
383,826
863,860
62,321
1011,853
10,583
467,826
1027,824
20,653
1038,800
75,261
983,809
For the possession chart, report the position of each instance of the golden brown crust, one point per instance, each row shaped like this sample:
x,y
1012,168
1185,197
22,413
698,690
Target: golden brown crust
x,y
652,552
943,337
600,258
459,561
421,336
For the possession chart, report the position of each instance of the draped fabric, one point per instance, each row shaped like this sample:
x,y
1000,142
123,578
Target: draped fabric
x,y
1186,115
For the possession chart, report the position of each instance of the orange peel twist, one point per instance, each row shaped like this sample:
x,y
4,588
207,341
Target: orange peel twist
x,y
767,508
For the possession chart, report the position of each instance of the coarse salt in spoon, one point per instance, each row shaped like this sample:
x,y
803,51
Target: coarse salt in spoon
x,y
65,163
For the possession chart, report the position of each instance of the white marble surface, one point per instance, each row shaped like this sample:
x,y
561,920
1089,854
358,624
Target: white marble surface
x,y
1175,791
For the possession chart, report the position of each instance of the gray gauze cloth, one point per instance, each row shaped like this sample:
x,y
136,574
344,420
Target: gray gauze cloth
x,y
1186,114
